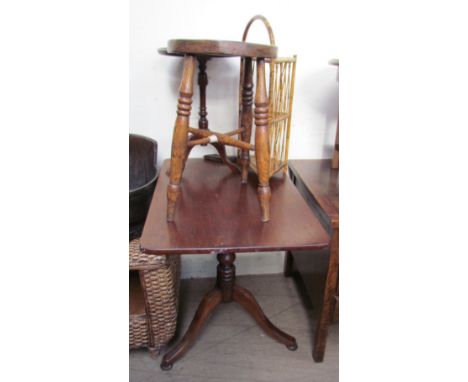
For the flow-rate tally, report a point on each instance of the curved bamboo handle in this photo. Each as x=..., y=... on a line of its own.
x=267, y=26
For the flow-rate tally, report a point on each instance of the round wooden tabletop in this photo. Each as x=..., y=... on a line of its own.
x=219, y=48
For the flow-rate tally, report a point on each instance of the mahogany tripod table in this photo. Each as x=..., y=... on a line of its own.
x=218, y=215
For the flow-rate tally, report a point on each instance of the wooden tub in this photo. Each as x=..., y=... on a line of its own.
x=143, y=152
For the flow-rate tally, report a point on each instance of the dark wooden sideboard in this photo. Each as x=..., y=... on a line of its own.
x=317, y=181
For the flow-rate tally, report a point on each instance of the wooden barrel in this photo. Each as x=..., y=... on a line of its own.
x=143, y=152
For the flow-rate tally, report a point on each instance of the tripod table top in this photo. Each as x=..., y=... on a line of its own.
x=217, y=214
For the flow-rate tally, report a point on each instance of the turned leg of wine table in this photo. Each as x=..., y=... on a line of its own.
x=203, y=121
x=202, y=82
x=246, y=115
x=226, y=291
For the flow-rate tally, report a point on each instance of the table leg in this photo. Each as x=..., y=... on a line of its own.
x=324, y=319
x=179, y=137
x=225, y=291
x=202, y=82
x=246, y=115
x=211, y=300
x=262, y=142
x=248, y=302
x=336, y=153
x=203, y=121
x=224, y=158
x=288, y=264
x=334, y=314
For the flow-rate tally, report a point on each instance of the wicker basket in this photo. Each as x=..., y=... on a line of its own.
x=280, y=95
x=154, y=297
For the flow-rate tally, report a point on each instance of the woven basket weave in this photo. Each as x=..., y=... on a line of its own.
x=280, y=95
x=159, y=279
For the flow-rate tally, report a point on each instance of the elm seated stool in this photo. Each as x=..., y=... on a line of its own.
x=182, y=143
x=222, y=226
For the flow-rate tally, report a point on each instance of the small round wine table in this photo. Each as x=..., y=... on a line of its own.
x=184, y=137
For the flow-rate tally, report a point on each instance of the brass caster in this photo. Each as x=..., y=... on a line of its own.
x=166, y=366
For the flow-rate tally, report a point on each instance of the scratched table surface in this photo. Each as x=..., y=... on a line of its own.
x=216, y=213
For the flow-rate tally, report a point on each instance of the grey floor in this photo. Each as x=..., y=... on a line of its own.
x=233, y=348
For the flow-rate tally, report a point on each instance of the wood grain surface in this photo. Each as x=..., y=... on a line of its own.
x=219, y=48
x=321, y=182
x=216, y=213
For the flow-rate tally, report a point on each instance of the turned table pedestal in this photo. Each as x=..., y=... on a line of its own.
x=223, y=226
